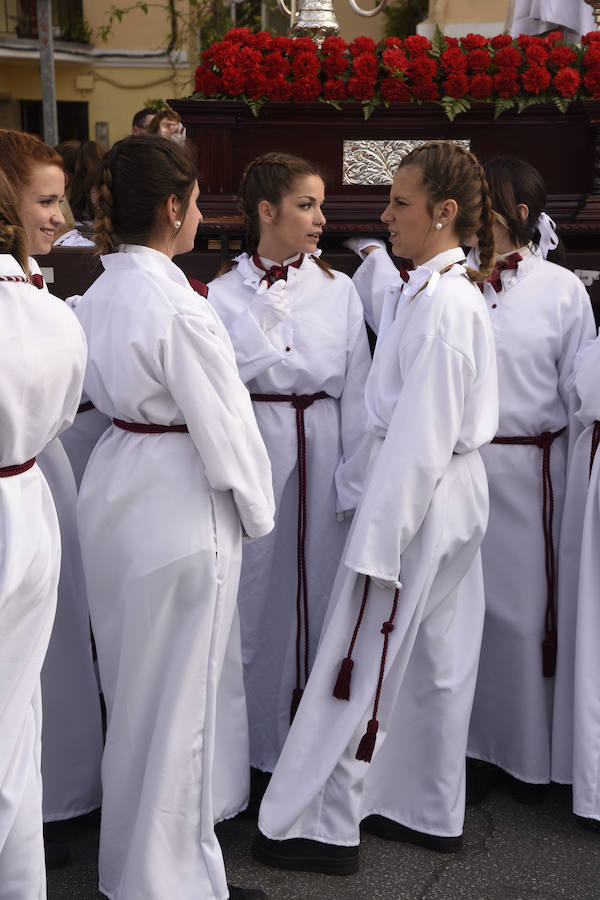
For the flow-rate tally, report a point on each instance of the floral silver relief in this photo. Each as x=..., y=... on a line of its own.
x=376, y=162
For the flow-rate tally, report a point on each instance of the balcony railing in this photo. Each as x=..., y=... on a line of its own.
x=18, y=18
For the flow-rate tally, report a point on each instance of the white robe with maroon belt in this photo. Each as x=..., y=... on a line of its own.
x=72, y=740
x=537, y=16
x=432, y=403
x=42, y=359
x=321, y=346
x=160, y=531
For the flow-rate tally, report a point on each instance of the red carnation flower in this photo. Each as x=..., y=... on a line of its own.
x=552, y=37
x=456, y=84
x=226, y=54
x=478, y=60
x=450, y=42
x=508, y=58
x=454, y=60
x=239, y=35
x=561, y=56
x=365, y=64
x=306, y=89
x=536, y=54
x=305, y=65
x=592, y=56
x=233, y=81
x=591, y=80
x=362, y=45
x=334, y=45
x=506, y=82
x=207, y=82
x=278, y=89
x=473, y=41
x=394, y=58
x=393, y=42
x=262, y=40
x=422, y=67
x=248, y=58
x=282, y=43
x=535, y=79
x=335, y=64
x=394, y=89
x=276, y=64
x=302, y=45
x=416, y=44
x=256, y=84
x=525, y=40
x=335, y=89
x=361, y=87
x=426, y=89
x=500, y=41
x=567, y=81
x=591, y=37
x=481, y=86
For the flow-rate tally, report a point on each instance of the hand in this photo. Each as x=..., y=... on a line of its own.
x=270, y=305
x=363, y=245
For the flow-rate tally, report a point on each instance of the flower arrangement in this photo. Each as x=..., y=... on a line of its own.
x=259, y=67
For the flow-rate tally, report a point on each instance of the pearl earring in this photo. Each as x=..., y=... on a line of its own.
x=438, y=226
x=177, y=223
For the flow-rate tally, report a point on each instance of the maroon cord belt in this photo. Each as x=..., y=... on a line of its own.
x=544, y=442
x=8, y=471
x=85, y=407
x=149, y=428
x=300, y=402
x=595, y=442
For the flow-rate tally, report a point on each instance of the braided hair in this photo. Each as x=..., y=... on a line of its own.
x=13, y=238
x=449, y=171
x=136, y=176
x=511, y=182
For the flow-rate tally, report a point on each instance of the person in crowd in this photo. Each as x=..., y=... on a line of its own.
x=298, y=332
x=381, y=731
x=142, y=119
x=42, y=360
x=170, y=489
x=167, y=123
x=573, y=17
x=541, y=315
x=72, y=735
x=80, y=194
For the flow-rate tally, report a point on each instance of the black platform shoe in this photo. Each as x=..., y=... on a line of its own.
x=393, y=831
x=482, y=778
x=238, y=893
x=303, y=855
x=524, y=792
x=57, y=854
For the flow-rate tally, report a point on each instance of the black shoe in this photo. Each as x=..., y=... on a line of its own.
x=57, y=855
x=482, y=778
x=524, y=792
x=589, y=824
x=303, y=855
x=259, y=782
x=393, y=831
x=238, y=893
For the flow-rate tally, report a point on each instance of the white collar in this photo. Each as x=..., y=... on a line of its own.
x=137, y=256
x=428, y=273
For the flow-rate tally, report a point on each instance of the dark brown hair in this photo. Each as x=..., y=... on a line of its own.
x=449, y=171
x=20, y=151
x=513, y=181
x=137, y=175
x=13, y=238
x=270, y=177
x=84, y=176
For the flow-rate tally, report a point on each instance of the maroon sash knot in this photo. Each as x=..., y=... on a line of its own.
x=276, y=273
x=37, y=280
x=502, y=265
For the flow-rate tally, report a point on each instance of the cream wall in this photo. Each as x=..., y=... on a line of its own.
x=459, y=17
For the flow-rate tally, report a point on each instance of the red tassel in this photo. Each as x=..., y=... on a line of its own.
x=549, y=655
x=296, y=698
x=341, y=690
x=367, y=742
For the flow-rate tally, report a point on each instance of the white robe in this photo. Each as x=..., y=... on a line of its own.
x=432, y=402
x=42, y=359
x=160, y=532
x=321, y=346
x=537, y=16
x=72, y=741
x=586, y=694
x=540, y=319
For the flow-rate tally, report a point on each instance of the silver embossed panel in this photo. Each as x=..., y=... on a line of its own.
x=375, y=162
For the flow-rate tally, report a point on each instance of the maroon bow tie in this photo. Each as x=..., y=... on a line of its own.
x=502, y=265
x=404, y=270
x=276, y=273
x=37, y=279
x=198, y=286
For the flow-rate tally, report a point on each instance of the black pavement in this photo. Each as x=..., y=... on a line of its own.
x=511, y=852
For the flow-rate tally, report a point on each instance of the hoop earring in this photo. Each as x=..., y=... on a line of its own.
x=438, y=226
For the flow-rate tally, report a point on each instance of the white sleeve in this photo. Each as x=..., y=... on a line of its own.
x=201, y=375
x=580, y=332
x=371, y=280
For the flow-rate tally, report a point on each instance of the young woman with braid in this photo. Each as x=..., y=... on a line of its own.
x=381, y=734
x=301, y=346
x=167, y=494
x=42, y=360
x=540, y=315
x=72, y=738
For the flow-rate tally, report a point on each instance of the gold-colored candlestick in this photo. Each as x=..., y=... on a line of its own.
x=595, y=4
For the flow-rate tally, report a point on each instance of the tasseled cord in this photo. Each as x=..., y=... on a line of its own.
x=341, y=690
x=367, y=742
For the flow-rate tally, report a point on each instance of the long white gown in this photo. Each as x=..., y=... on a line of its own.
x=321, y=346
x=540, y=318
x=432, y=403
x=72, y=739
x=42, y=360
x=161, y=538
x=536, y=16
